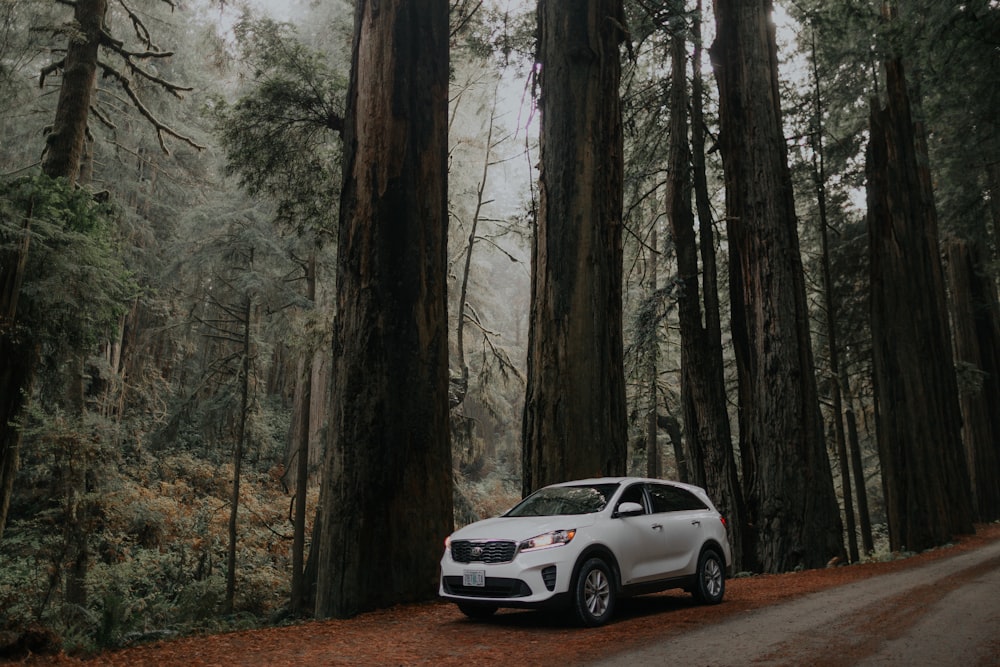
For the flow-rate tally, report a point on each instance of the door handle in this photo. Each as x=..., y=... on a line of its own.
x=696, y=523
x=657, y=526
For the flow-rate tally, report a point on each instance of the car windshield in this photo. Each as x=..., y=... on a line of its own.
x=562, y=500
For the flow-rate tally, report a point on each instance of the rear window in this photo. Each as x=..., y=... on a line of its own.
x=667, y=498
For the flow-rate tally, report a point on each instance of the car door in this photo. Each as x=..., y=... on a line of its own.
x=679, y=518
x=637, y=545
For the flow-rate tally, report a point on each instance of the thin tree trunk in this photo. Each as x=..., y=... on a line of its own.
x=857, y=466
x=238, y=459
x=302, y=459
x=789, y=485
x=575, y=419
x=735, y=504
x=829, y=300
x=386, y=495
x=459, y=395
x=653, y=467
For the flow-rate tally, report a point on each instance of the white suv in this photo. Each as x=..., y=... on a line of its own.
x=583, y=544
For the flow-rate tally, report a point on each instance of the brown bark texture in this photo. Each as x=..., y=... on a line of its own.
x=703, y=389
x=787, y=479
x=976, y=319
x=386, y=496
x=924, y=474
x=575, y=420
x=65, y=143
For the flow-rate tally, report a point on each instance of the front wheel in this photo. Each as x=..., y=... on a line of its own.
x=594, y=593
x=710, y=584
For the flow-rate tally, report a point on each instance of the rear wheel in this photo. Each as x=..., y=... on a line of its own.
x=594, y=593
x=477, y=611
x=710, y=584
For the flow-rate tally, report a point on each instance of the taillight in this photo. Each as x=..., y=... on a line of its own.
x=723, y=520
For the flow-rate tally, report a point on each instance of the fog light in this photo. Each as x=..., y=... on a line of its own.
x=549, y=577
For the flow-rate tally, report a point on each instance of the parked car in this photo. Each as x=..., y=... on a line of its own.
x=581, y=545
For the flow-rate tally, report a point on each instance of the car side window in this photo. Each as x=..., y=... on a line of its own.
x=667, y=498
x=632, y=494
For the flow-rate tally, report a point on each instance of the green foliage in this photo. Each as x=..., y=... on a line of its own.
x=156, y=545
x=281, y=136
x=76, y=286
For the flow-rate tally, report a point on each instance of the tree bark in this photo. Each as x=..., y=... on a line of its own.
x=65, y=143
x=299, y=593
x=653, y=464
x=703, y=390
x=924, y=474
x=64, y=150
x=575, y=421
x=976, y=319
x=238, y=450
x=386, y=495
x=830, y=303
x=786, y=472
x=857, y=466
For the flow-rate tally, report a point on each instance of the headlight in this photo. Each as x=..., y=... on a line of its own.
x=556, y=538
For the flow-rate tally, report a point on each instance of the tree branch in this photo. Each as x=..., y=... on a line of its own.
x=161, y=128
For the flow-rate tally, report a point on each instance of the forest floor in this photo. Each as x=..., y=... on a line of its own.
x=437, y=633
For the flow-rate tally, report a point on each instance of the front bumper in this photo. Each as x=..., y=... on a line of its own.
x=534, y=578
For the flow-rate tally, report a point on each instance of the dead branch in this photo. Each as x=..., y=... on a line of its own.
x=161, y=128
x=49, y=69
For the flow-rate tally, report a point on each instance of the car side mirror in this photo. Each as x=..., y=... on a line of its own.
x=630, y=509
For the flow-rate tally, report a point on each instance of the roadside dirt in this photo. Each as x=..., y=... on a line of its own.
x=438, y=634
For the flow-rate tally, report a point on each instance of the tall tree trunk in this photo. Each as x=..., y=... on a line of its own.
x=238, y=450
x=789, y=485
x=299, y=593
x=924, y=474
x=575, y=421
x=463, y=388
x=64, y=150
x=386, y=496
x=976, y=319
x=993, y=183
x=830, y=302
x=653, y=465
x=857, y=466
x=703, y=391
x=66, y=142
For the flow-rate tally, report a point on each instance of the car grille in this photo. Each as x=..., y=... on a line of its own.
x=495, y=551
x=496, y=587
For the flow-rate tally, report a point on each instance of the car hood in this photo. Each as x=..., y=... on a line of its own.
x=519, y=528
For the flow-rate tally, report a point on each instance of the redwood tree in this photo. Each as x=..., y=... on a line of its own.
x=574, y=416
x=786, y=472
x=976, y=317
x=386, y=497
x=924, y=474
x=703, y=386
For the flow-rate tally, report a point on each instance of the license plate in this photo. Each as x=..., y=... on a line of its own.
x=474, y=578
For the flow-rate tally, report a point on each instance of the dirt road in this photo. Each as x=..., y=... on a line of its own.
x=941, y=607
x=945, y=612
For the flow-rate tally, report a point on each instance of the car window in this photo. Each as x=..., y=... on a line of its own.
x=633, y=494
x=667, y=498
x=562, y=500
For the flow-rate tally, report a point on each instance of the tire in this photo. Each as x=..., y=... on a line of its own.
x=594, y=593
x=710, y=578
x=477, y=611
